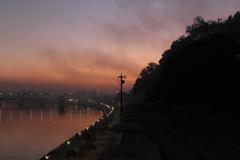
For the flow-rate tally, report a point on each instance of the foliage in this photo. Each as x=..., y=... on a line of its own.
x=200, y=67
x=145, y=81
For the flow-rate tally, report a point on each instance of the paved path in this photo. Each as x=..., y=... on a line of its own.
x=159, y=135
x=177, y=142
x=134, y=144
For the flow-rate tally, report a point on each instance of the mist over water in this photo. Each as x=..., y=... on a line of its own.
x=27, y=134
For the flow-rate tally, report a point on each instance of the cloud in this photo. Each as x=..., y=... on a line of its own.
x=145, y=24
x=152, y=25
x=150, y=21
x=76, y=60
x=87, y=68
x=107, y=38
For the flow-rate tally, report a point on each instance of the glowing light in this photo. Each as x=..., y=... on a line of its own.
x=47, y=157
x=71, y=100
x=79, y=133
x=87, y=128
x=68, y=142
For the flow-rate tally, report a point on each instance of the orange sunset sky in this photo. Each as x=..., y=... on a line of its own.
x=85, y=44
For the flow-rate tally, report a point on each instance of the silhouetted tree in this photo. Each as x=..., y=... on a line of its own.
x=200, y=67
x=144, y=83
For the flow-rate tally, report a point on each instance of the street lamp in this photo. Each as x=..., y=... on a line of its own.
x=47, y=157
x=68, y=142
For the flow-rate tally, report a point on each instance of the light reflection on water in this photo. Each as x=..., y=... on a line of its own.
x=27, y=134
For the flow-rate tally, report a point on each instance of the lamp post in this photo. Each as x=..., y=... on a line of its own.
x=121, y=82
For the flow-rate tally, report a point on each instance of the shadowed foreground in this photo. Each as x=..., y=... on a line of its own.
x=158, y=132
x=192, y=134
x=152, y=133
x=134, y=143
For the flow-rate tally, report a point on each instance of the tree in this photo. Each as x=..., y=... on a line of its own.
x=199, y=67
x=144, y=83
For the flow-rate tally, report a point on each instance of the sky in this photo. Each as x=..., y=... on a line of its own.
x=86, y=44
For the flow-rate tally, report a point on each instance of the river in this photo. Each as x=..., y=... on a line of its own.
x=27, y=134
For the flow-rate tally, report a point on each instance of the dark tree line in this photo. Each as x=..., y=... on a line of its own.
x=200, y=67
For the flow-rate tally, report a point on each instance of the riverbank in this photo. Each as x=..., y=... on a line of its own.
x=87, y=144
x=134, y=143
x=155, y=132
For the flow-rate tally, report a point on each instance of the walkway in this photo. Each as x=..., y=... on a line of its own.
x=134, y=144
x=160, y=135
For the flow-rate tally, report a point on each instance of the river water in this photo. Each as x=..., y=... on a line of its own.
x=27, y=134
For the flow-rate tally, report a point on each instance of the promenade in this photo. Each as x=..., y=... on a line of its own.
x=173, y=136
x=133, y=143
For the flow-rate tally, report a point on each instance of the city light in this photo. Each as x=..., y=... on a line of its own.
x=71, y=100
x=68, y=142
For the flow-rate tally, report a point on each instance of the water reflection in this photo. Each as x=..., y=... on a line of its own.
x=29, y=133
x=61, y=101
x=21, y=115
x=8, y=115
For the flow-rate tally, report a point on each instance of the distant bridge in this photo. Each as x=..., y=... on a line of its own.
x=38, y=99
